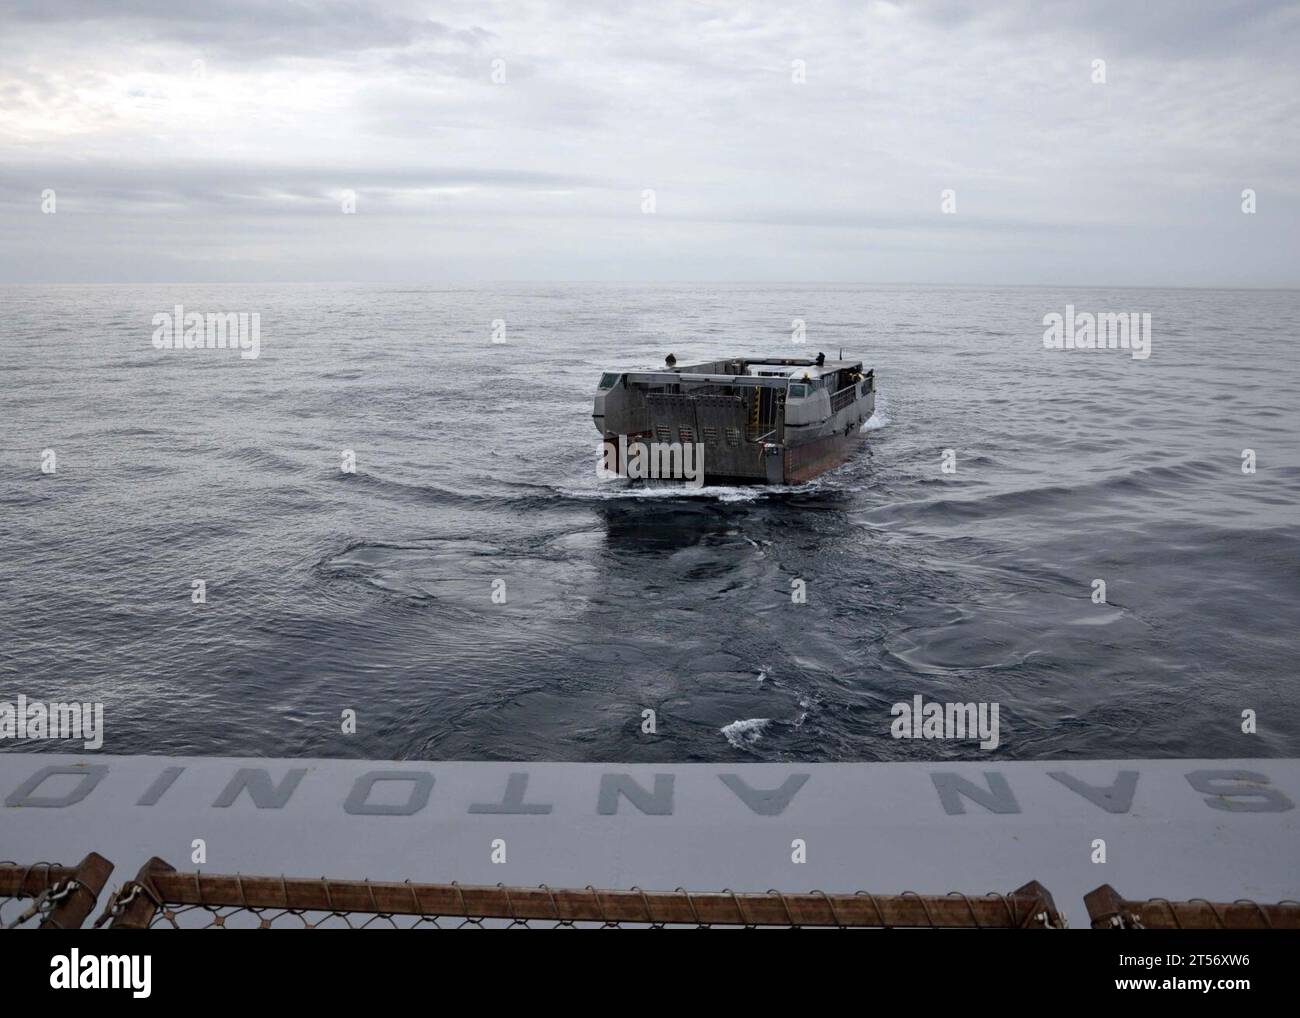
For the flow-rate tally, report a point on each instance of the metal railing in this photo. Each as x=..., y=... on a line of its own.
x=844, y=397
x=51, y=896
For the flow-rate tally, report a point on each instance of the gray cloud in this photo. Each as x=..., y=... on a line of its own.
x=1176, y=30
x=123, y=187
x=216, y=138
x=247, y=28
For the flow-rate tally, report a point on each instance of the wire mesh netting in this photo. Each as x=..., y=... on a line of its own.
x=209, y=917
x=1109, y=910
x=29, y=892
x=53, y=896
x=162, y=898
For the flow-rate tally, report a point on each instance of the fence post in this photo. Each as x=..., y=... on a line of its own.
x=1106, y=908
x=140, y=896
x=87, y=881
x=1043, y=906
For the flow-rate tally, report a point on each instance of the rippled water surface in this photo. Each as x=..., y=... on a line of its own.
x=476, y=463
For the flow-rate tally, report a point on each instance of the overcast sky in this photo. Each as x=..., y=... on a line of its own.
x=214, y=141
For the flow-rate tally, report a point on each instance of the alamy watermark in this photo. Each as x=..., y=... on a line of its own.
x=75, y=971
x=37, y=720
x=179, y=329
x=1104, y=331
x=679, y=461
x=934, y=720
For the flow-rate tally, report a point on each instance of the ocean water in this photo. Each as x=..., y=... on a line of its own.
x=372, y=591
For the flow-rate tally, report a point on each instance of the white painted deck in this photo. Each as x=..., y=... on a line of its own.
x=1217, y=829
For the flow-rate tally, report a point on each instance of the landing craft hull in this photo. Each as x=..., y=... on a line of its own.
x=739, y=428
x=798, y=462
x=779, y=465
x=804, y=462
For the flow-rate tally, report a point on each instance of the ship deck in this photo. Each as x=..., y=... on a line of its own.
x=1179, y=829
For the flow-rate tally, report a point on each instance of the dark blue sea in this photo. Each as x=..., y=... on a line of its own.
x=476, y=462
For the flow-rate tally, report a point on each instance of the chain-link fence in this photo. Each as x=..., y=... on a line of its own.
x=1109, y=910
x=48, y=895
x=161, y=897
x=51, y=896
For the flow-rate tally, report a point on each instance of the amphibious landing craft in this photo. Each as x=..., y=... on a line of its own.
x=757, y=420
